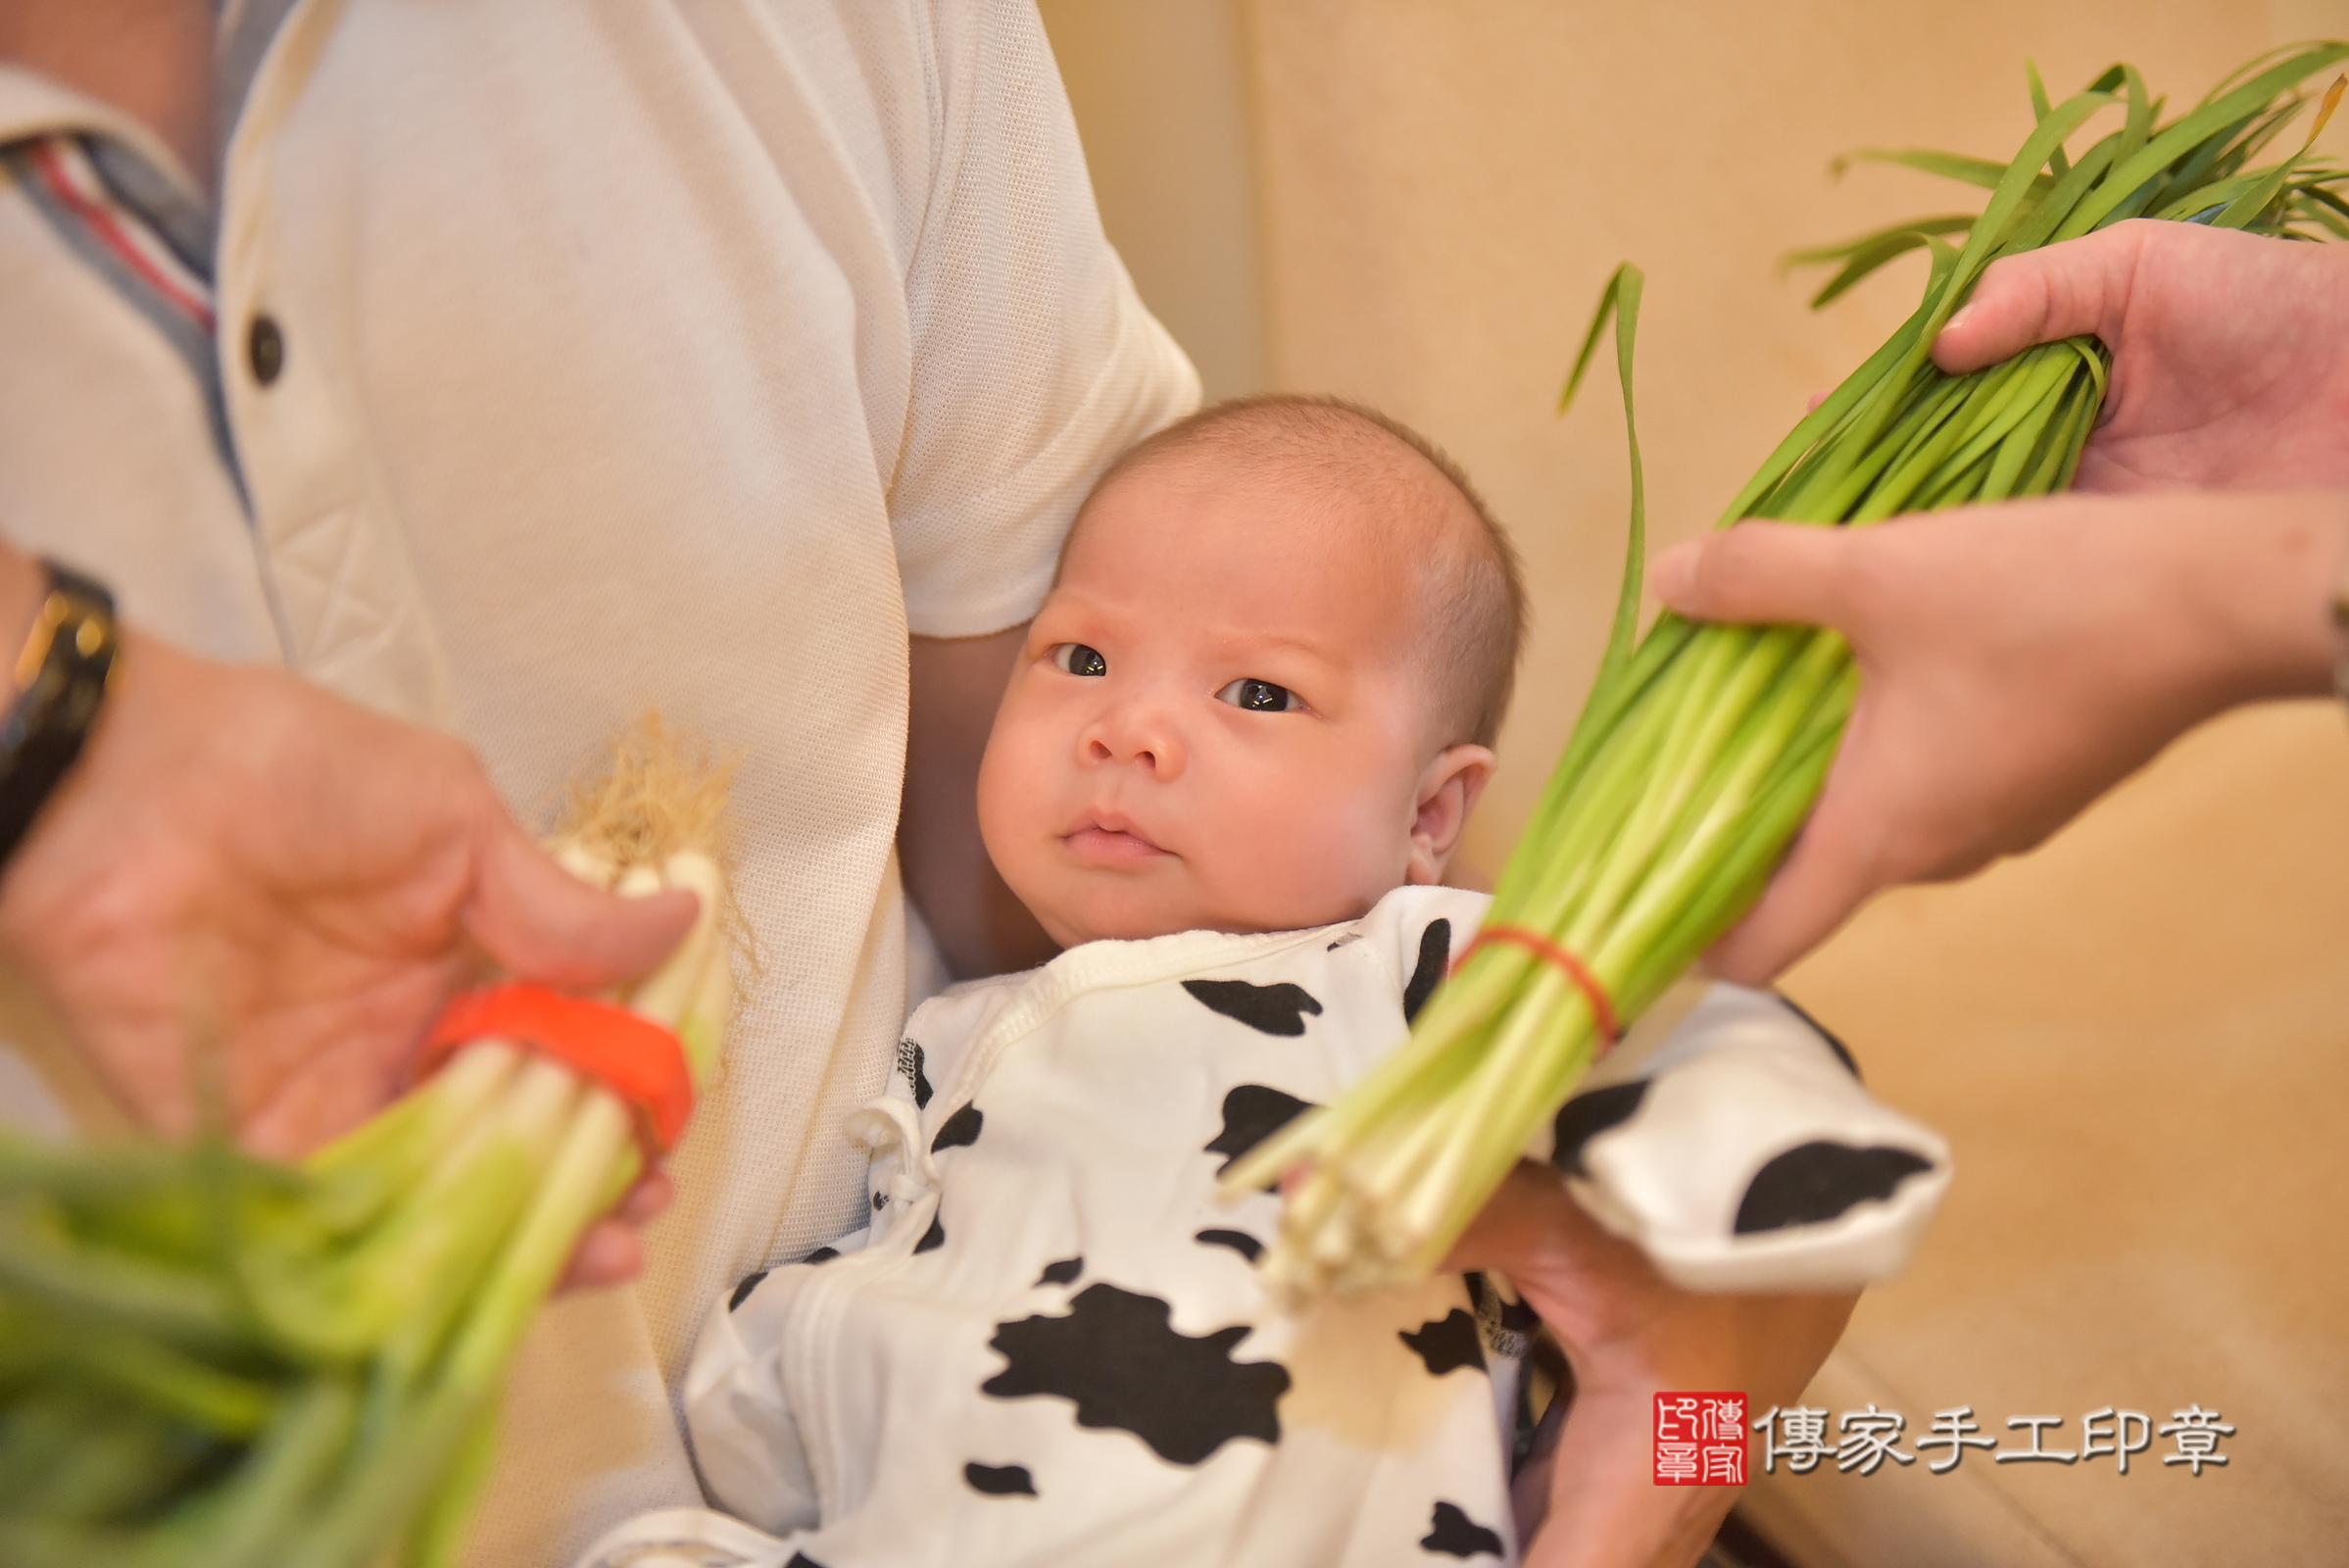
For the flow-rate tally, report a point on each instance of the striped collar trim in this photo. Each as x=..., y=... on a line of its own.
x=66, y=183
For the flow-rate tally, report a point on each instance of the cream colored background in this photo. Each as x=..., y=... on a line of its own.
x=2135, y=1038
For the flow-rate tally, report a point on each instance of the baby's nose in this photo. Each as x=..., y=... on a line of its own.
x=1139, y=735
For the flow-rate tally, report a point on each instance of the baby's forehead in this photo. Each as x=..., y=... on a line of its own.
x=1284, y=442
x=1359, y=488
x=1331, y=546
x=1354, y=507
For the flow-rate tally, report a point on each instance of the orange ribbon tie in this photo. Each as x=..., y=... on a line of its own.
x=627, y=1052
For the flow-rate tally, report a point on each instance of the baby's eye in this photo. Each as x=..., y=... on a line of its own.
x=1258, y=696
x=1079, y=659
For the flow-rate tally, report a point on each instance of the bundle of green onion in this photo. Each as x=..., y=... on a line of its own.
x=206, y=1361
x=1700, y=749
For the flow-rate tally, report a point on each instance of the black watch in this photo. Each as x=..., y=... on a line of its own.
x=2340, y=626
x=60, y=681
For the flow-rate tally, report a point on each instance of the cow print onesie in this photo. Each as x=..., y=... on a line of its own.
x=1050, y=1346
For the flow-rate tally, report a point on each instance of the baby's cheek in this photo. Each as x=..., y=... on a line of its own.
x=1313, y=855
x=1014, y=792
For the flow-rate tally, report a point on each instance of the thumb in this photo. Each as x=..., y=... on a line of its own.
x=1817, y=888
x=542, y=923
x=1756, y=574
x=1838, y=862
x=2043, y=296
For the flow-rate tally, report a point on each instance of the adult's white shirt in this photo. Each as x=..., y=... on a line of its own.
x=677, y=351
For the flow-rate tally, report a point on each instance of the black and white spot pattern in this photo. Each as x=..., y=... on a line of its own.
x=1116, y=1360
x=958, y=1131
x=1435, y=957
x=1743, y=1154
x=1000, y=1480
x=1447, y=1345
x=1251, y=1113
x=1452, y=1533
x=1089, y=1348
x=1274, y=1009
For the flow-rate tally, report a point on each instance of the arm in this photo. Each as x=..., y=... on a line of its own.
x=239, y=858
x=1034, y=364
x=2015, y=664
x=1629, y=1335
x=747, y=1445
x=980, y=927
x=252, y=897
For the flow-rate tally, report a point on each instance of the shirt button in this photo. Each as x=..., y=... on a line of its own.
x=264, y=349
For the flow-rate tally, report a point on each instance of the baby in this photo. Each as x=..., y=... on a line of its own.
x=1228, y=774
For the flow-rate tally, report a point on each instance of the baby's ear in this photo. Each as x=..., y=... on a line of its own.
x=1447, y=793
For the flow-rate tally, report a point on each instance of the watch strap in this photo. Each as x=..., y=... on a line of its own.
x=2340, y=626
x=60, y=677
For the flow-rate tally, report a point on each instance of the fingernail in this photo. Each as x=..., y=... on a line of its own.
x=1959, y=319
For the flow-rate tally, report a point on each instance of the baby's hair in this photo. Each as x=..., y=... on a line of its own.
x=1474, y=607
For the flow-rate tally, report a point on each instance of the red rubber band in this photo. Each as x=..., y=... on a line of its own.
x=629, y=1054
x=1602, y=1006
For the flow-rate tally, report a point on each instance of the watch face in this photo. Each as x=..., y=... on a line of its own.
x=75, y=622
x=72, y=631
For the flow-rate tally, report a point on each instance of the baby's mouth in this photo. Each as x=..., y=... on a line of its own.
x=1110, y=842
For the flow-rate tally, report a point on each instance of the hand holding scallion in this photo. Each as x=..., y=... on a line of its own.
x=245, y=862
x=206, y=1359
x=2229, y=352
x=1702, y=748
x=2015, y=664
x=1629, y=1333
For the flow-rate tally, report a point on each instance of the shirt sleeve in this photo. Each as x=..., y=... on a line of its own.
x=1741, y=1153
x=746, y=1439
x=1034, y=362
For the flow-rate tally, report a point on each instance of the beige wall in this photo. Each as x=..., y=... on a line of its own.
x=1446, y=187
x=2138, y=1039
x=1162, y=93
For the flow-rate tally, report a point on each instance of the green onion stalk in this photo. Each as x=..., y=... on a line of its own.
x=1700, y=749
x=212, y=1361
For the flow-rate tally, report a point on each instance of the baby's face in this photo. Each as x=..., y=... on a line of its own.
x=1217, y=721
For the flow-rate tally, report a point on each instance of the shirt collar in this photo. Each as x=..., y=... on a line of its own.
x=247, y=29
x=141, y=172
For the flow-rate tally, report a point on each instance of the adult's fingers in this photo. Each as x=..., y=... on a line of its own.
x=1782, y=573
x=2043, y=296
x=1605, y=1510
x=1757, y=573
x=612, y=1252
x=1529, y=1215
x=609, y=1253
x=1845, y=853
x=1822, y=883
x=542, y=923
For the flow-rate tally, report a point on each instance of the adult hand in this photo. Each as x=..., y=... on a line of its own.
x=2230, y=351
x=2015, y=662
x=1629, y=1334
x=251, y=898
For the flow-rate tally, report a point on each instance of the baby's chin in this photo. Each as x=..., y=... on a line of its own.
x=1073, y=927
x=1132, y=914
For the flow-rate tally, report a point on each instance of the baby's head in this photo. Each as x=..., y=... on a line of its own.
x=1263, y=690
